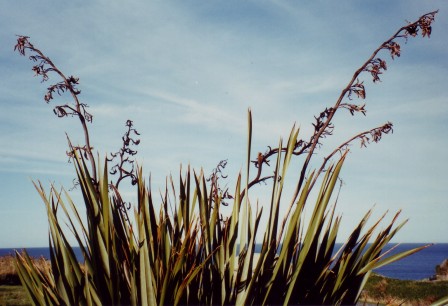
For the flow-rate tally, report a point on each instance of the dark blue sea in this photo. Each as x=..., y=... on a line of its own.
x=418, y=266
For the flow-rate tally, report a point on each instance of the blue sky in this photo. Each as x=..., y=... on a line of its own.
x=187, y=71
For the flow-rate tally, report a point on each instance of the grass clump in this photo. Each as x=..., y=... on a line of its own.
x=8, y=274
x=387, y=291
x=378, y=290
x=13, y=295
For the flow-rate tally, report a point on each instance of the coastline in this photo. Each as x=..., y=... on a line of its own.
x=419, y=266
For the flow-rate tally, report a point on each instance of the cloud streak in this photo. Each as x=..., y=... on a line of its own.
x=186, y=75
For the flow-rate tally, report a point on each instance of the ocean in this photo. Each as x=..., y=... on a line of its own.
x=418, y=266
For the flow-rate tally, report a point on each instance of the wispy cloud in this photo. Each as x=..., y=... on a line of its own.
x=186, y=74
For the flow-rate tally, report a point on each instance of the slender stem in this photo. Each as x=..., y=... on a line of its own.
x=78, y=108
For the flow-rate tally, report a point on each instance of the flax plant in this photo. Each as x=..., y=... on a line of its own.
x=182, y=249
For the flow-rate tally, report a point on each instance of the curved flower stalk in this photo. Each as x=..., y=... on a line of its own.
x=44, y=66
x=323, y=126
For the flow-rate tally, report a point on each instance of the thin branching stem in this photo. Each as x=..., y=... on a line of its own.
x=44, y=66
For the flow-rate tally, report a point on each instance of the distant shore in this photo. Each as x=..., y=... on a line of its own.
x=419, y=266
